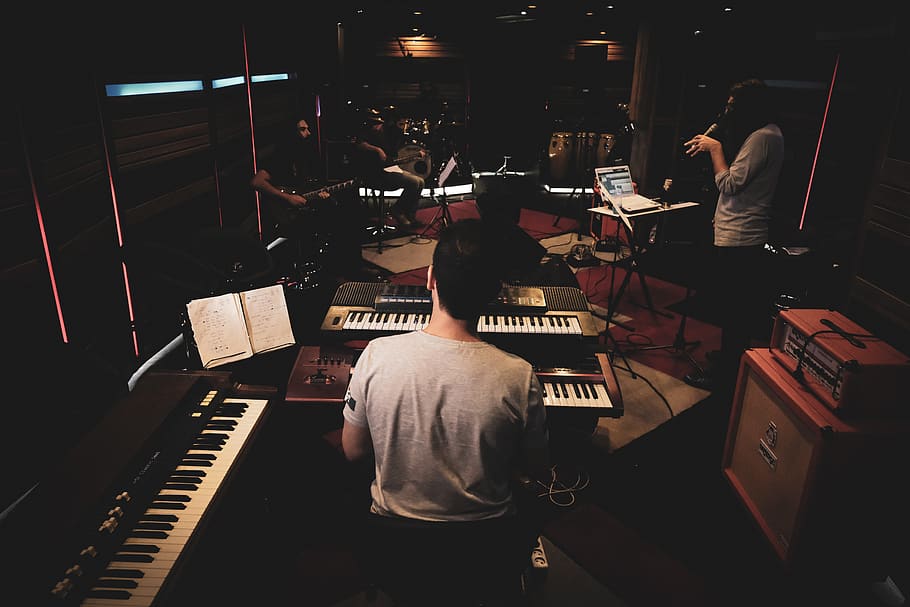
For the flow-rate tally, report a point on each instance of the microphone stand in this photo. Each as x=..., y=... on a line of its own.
x=680, y=345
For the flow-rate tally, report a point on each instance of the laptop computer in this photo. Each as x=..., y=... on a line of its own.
x=616, y=189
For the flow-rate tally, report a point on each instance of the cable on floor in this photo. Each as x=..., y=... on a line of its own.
x=651, y=385
x=559, y=493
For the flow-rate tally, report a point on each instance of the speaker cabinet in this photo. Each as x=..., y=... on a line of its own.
x=822, y=490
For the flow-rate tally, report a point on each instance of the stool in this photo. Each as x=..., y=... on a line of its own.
x=444, y=563
x=381, y=228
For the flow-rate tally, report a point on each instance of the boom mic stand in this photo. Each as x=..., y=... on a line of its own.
x=679, y=345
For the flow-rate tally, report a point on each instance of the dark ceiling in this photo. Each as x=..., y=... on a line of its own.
x=576, y=19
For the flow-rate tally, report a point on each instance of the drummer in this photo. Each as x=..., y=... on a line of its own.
x=428, y=105
x=375, y=148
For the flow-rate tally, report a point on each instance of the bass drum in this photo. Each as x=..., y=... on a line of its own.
x=422, y=167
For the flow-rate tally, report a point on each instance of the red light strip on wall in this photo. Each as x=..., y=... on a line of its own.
x=116, y=208
x=41, y=229
x=249, y=103
x=802, y=219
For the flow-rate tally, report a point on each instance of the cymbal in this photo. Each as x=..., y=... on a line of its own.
x=451, y=125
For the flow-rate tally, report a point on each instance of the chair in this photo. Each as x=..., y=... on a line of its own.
x=380, y=228
x=467, y=563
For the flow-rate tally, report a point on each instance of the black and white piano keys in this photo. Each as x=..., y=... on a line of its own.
x=531, y=324
x=146, y=559
x=589, y=384
x=576, y=393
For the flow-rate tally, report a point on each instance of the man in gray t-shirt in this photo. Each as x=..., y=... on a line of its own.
x=448, y=418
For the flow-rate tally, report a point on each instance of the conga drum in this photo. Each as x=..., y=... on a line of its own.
x=584, y=154
x=560, y=155
x=605, y=142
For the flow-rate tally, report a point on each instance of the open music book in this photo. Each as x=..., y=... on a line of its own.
x=235, y=326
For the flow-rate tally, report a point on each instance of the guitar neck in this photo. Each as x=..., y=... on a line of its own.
x=329, y=188
x=342, y=185
x=402, y=159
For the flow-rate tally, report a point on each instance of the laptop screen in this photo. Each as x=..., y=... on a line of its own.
x=616, y=180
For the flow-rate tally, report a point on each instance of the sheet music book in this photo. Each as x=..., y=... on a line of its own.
x=235, y=326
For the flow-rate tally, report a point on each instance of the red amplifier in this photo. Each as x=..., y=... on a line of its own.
x=849, y=370
x=825, y=491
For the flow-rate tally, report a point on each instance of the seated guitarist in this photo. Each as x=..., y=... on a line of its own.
x=326, y=220
x=376, y=147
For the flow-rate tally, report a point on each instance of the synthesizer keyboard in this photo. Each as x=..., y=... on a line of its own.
x=586, y=384
x=361, y=311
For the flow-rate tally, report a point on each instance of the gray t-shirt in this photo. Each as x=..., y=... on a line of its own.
x=448, y=419
x=746, y=190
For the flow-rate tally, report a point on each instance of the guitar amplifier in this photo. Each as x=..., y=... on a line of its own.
x=824, y=491
x=849, y=370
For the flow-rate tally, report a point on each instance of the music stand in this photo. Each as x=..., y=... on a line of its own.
x=443, y=215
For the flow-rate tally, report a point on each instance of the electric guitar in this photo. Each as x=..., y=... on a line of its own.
x=286, y=213
x=335, y=187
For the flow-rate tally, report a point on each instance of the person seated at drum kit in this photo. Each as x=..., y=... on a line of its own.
x=376, y=148
x=429, y=105
x=327, y=226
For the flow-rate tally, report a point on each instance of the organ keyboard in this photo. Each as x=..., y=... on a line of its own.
x=113, y=525
x=589, y=384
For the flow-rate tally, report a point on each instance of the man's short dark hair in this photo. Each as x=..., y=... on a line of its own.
x=752, y=104
x=468, y=272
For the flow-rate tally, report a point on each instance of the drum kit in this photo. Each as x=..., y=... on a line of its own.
x=440, y=141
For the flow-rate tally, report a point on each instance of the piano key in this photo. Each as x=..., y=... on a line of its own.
x=116, y=583
x=122, y=573
x=155, y=559
x=575, y=394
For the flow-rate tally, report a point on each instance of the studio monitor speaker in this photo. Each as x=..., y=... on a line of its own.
x=823, y=491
